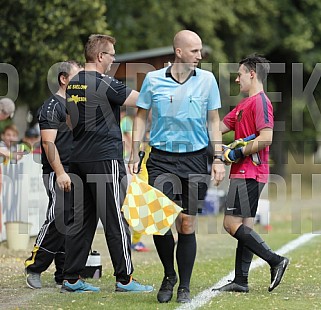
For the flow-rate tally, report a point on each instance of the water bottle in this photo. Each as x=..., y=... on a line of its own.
x=93, y=267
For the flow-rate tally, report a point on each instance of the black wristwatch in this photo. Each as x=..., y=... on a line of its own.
x=218, y=157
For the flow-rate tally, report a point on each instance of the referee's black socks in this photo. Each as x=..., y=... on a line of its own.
x=185, y=256
x=165, y=248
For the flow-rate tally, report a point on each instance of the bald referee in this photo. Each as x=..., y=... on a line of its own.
x=184, y=101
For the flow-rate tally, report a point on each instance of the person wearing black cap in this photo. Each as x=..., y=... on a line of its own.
x=31, y=140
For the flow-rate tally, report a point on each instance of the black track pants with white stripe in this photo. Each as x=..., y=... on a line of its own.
x=50, y=242
x=99, y=192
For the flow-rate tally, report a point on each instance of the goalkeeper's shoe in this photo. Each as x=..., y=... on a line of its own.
x=277, y=273
x=233, y=287
x=133, y=287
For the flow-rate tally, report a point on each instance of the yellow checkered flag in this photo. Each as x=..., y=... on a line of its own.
x=147, y=210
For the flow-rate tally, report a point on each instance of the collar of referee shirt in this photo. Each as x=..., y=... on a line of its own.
x=169, y=74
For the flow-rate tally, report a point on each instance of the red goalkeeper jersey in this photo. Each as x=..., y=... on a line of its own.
x=251, y=115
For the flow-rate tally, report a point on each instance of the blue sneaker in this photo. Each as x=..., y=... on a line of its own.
x=79, y=287
x=133, y=287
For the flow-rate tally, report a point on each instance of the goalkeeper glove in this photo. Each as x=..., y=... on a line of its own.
x=231, y=156
x=237, y=143
x=241, y=142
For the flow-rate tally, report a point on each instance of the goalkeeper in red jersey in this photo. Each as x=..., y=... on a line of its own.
x=249, y=173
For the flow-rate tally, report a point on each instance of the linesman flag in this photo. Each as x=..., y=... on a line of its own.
x=147, y=210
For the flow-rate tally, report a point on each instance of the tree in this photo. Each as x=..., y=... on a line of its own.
x=37, y=34
x=142, y=24
x=296, y=41
x=286, y=32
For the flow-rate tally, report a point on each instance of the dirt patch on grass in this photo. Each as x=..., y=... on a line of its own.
x=14, y=292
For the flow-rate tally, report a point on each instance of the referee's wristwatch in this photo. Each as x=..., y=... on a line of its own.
x=218, y=157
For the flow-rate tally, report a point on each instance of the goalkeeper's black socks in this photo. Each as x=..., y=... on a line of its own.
x=256, y=244
x=185, y=256
x=243, y=259
x=165, y=249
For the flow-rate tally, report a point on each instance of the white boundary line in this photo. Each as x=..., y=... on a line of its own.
x=205, y=296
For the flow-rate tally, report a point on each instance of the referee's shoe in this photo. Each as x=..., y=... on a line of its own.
x=165, y=292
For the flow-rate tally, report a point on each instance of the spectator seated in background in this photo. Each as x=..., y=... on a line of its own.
x=8, y=143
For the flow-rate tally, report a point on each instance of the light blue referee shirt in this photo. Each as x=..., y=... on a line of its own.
x=179, y=111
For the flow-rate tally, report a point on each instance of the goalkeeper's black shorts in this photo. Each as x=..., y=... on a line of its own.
x=243, y=197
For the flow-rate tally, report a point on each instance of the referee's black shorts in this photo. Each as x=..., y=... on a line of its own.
x=182, y=177
x=243, y=197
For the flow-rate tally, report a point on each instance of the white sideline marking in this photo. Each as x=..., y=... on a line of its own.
x=205, y=296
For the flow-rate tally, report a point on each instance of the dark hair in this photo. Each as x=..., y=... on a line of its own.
x=65, y=68
x=258, y=64
x=32, y=133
